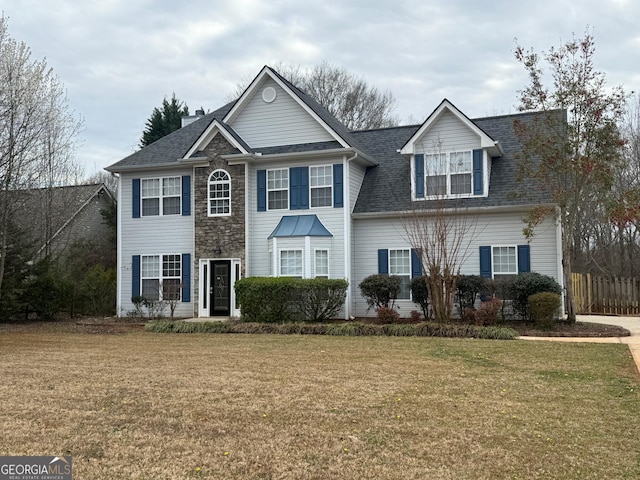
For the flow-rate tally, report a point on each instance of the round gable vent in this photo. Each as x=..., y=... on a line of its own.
x=269, y=94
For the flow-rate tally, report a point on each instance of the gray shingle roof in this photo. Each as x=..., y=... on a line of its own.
x=387, y=186
x=174, y=146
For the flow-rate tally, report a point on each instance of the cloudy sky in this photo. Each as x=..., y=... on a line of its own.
x=119, y=58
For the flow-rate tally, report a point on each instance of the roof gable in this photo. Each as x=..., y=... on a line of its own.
x=216, y=127
x=446, y=110
x=269, y=96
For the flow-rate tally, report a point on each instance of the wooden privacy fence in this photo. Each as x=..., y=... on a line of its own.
x=608, y=295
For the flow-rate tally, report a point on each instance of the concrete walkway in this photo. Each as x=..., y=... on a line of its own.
x=630, y=323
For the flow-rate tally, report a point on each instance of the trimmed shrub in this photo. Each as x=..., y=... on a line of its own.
x=265, y=299
x=420, y=293
x=388, y=315
x=380, y=290
x=468, y=288
x=527, y=284
x=286, y=299
x=318, y=299
x=543, y=308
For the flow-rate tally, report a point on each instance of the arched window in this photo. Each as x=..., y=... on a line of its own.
x=219, y=193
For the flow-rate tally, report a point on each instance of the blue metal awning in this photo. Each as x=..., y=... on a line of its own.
x=300, y=226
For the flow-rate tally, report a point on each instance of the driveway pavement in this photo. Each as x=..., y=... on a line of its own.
x=630, y=323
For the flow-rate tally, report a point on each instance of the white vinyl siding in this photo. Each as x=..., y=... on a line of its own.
x=369, y=235
x=448, y=133
x=148, y=236
x=281, y=122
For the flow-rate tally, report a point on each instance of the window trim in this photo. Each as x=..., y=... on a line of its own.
x=296, y=250
x=161, y=278
x=330, y=186
x=288, y=189
x=160, y=196
x=315, y=263
x=408, y=275
x=211, y=182
x=447, y=175
x=493, y=260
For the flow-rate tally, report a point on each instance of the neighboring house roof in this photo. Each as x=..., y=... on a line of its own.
x=300, y=226
x=45, y=213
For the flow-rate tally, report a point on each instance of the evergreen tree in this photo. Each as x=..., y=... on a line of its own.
x=164, y=121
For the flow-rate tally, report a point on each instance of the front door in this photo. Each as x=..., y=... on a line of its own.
x=220, y=291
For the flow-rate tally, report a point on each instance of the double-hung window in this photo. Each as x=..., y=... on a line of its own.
x=161, y=276
x=448, y=174
x=291, y=263
x=400, y=265
x=219, y=193
x=504, y=260
x=321, y=263
x=161, y=196
x=321, y=185
x=278, y=189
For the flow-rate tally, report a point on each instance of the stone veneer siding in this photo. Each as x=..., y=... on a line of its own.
x=226, y=232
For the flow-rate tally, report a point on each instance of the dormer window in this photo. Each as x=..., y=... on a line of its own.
x=451, y=174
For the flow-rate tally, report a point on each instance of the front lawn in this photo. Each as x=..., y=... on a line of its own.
x=144, y=405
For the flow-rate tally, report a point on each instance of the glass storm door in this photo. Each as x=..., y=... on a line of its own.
x=220, y=292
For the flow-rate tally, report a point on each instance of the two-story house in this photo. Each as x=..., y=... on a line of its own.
x=272, y=185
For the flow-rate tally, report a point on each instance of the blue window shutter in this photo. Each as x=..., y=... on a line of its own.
x=303, y=187
x=186, y=195
x=136, y=198
x=186, y=277
x=419, y=168
x=383, y=261
x=262, y=190
x=338, y=187
x=524, y=259
x=478, y=175
x=135, y=276
x=298, y=188
x=294, y=183
x=485, y=262
x=416, y=264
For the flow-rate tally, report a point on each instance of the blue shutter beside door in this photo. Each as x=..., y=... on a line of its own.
x=186, y=277
x=186, y=195
x=135, y=276
x=419, y=178
x=485, y=262
x=136, y=198
x=383, y=261
x=524, y=259
x=338, y=187
x=262, y=190
x=478, y=172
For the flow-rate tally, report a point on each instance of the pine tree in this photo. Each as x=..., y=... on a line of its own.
x=164, y=121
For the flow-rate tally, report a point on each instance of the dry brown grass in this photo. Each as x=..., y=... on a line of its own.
x=153, y=406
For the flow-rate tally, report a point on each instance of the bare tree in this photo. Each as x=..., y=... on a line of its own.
x=37, y=132
x=345, y=95
x=574, y=161
x=441, y=232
